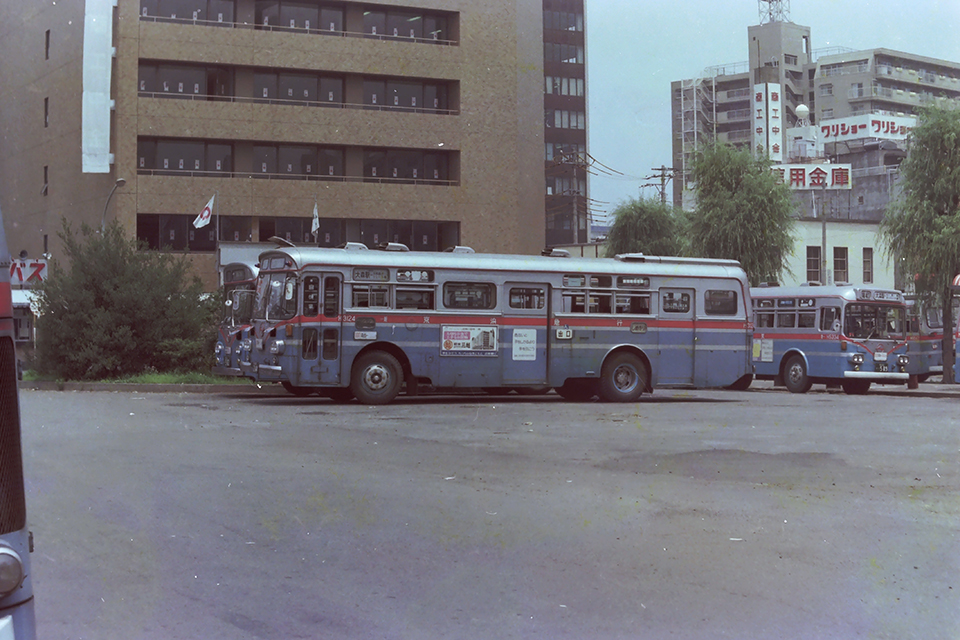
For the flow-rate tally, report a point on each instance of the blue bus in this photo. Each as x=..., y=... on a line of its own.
x=16, y=588
x=356, y=322
x=844, y=335
x=925, y=338
x=239, y=284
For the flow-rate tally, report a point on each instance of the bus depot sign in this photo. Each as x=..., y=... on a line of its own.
x=26, y=273
x=813, y=176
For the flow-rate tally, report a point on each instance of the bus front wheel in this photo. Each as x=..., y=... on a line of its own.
x=300, y=392
x=377, y=378
x=795, y=377
x=623, y=378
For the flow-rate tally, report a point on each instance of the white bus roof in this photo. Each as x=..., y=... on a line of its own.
x=490, y=262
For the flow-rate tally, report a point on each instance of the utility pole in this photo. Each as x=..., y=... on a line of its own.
x=664, y=173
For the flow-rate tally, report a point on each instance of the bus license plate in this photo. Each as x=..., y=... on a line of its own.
x=882, y=367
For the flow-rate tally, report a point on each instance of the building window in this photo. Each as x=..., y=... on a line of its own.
x=840, y=273
x=826, y=113
x=46, y=112
x=46, y=45
x=826, y=90
x=46, y=181
x=813, y=264
x=868, y=265
x=789, y=59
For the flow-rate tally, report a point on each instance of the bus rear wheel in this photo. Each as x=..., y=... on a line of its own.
x=623, y=378
x=377, y=378
x=855, y=387
x=795, y=377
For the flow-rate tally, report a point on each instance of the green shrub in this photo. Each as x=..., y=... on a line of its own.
x=113, y=310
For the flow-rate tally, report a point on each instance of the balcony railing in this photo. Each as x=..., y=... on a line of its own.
x=278, y=28
x=184, y=173
x=166, y=95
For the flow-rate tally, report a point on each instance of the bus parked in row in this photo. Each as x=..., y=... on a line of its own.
x=925, y=338
x=353, y=322
x=16, y=587
x=239, y=287
x=844, y=335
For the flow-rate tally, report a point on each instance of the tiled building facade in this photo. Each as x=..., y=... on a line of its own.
x=419, y=123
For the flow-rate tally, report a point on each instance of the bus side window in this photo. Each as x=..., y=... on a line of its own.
x=632, y=304
x=311, y=296
x=527, y=298
x=600, y=302
x=469, y=295
x=331, y=297
x=807, y=320
x=414, y=298
x=370, y=296
x=830, y=319
x=786, y=319
x=573, y=302
x=720, y=303
x=764, y=319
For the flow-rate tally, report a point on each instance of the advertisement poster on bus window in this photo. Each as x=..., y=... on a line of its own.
x=468, y=341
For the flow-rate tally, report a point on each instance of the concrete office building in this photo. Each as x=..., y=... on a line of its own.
x=419, y=122
x=861, y=107
x=565, y=122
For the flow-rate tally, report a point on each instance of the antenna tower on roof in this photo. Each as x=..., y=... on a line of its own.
x=774, y=11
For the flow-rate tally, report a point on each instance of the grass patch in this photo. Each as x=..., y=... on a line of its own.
x=188, y=377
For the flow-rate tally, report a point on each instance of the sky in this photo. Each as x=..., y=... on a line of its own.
x=636, y=48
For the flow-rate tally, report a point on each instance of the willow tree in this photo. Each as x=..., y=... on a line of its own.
x=921, y=229
x=744, y=212
x=645, y=226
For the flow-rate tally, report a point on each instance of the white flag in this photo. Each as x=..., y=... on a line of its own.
x=204, y=218
x=316, y=220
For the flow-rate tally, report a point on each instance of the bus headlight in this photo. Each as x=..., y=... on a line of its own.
x=247, y=344
x=218, y=349
x=903, y=360
x=11, y=571
x=276, y=347
x=856, y=358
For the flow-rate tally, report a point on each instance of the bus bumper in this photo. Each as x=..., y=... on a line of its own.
x=227, y=371
x=267, y=373
x=878, y=376
x=18, y=622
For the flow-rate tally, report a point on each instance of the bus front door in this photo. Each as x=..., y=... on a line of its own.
x=321, y=331
x=677, y=335
x=524, y=334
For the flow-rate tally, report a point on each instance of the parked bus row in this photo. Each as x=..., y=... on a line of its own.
x=369, y=324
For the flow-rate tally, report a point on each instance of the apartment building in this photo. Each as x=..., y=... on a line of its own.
x=419, y=123
x=861, y=106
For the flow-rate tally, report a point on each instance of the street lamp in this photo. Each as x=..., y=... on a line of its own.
x=119, y=183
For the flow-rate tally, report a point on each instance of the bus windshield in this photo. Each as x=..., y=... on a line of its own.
x=240, y=307
x=873, y=322
x=276, y=296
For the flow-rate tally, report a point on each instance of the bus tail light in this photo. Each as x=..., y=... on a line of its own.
x=11, y=571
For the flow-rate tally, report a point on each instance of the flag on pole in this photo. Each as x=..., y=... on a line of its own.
x=316, y=220
x=204, y=218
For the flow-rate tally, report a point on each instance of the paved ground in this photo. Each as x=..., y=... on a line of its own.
x=690, y=514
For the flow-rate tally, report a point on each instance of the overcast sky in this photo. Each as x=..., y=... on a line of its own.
x=636, y=48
